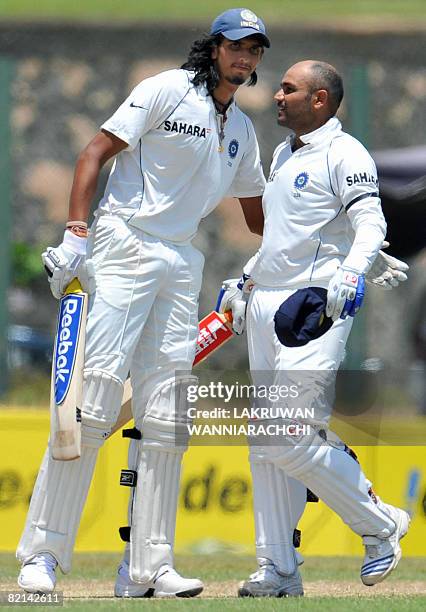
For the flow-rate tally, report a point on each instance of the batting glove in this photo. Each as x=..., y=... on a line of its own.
x=387, y=271
x=66, y=262
x=345, y=294
x=233, y=297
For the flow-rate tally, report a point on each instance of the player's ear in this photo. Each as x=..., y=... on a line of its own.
x=215, y=52
x=320, y=98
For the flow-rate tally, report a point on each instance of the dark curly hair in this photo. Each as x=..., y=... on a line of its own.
x=200, y=61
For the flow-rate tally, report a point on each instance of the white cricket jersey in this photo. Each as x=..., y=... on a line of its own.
x=173, y=174
x=313, y=201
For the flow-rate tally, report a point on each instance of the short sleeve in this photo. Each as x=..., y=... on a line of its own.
x=249, y=180
x=148, y=105
x=353, y=172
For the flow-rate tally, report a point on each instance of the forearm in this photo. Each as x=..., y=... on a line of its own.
x=370, y=230
x=102, y=148
x=84, y=186
x=367, y=243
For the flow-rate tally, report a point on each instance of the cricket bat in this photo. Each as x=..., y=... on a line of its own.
x=213, y=331
x=66, y=389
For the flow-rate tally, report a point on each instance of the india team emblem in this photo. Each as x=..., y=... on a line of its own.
x=233, y=148
x=248, y=16
x=301, y=180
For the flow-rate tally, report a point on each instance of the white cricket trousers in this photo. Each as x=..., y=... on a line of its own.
x=143, y=319
x=326, y=470
x=144, y=314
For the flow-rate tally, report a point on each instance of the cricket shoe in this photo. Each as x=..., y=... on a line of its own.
x=38, y=574
x=167, y=583
x=268, y=582
x=383, y=555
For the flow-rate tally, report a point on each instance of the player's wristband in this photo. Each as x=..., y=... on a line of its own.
x=79, y=228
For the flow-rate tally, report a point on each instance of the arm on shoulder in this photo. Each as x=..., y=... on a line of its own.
x=253, y=213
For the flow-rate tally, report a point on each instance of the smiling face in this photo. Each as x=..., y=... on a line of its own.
x=301, y=107
x=236, y=60
x=294, y=99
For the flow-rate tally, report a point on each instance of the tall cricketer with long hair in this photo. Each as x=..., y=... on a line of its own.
x=180, y=145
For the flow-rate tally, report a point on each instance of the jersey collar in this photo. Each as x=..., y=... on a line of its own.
x=231, y=107
x=325, y=133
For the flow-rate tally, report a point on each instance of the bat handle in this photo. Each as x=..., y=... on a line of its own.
x=228, y=316
x=74, y=287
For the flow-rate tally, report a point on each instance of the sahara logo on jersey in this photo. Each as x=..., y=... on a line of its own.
x=69, y=321
x=186, y=128
x=361, y=177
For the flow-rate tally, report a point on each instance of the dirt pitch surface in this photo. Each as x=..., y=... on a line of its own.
x=95, y=590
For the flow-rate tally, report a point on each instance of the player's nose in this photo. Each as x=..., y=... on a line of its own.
x=279, y=96
x=245, y=58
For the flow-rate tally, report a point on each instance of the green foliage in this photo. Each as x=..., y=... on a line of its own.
x=26, y=264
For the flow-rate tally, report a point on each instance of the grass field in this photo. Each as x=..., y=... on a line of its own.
x=330, y=584
x=182, y=10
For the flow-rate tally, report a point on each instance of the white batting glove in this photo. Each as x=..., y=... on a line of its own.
x=345, y=294
x=234, y=296
x=68, y=261
x=387, y=271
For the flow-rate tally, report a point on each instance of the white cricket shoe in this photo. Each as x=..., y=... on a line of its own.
x=167, y=583
x=383, y=555
x=38, y=574
x=125, y=587
x=267, y=582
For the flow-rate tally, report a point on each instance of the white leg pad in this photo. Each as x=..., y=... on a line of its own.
x=154, y=513
x=102, y=395
x=164, y=440
x=56, y=506
x=337, y=479
x=61, y=488
x=133, y=463
x=279, y=502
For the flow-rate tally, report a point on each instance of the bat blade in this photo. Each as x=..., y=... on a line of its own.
x=66, y=389
x=213, y=331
